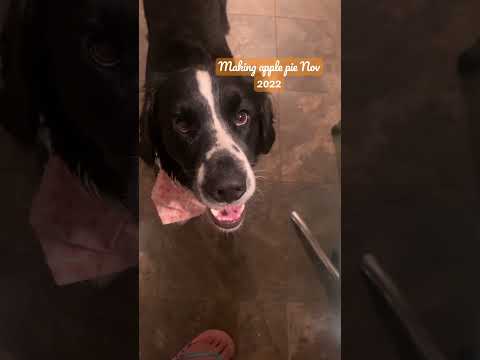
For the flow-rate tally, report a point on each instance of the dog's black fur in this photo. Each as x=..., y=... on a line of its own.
x=74, y=64
x=469, y=67
x=184, y=37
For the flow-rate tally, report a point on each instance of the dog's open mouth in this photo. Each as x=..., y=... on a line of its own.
x=229, y=217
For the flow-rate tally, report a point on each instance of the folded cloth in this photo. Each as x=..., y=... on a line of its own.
x=174, y=202
x=83, y=237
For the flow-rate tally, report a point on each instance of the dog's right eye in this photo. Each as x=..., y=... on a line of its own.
x=181, y=126
x=243, y=117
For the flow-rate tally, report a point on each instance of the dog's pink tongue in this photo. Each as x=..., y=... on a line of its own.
x=229, y=213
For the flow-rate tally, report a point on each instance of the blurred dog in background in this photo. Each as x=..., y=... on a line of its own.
x=70, y=73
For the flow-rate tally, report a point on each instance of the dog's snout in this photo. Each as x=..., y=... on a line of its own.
x=225, y=181
x=228, y=190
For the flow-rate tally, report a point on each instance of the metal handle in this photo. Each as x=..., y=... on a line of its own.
x=392, y=295
x=314, y=244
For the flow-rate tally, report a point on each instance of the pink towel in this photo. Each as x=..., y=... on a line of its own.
x=174, y=203
x=83, y=237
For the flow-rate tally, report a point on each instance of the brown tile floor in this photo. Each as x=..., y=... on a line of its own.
x=259, y=284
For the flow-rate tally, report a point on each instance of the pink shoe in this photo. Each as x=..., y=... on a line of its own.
x=209, y=345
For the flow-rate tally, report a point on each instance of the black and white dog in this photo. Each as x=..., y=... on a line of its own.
x=206, y=131
x=72, y=68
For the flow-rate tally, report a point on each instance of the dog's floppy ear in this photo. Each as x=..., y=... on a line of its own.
x=147, y=150
x=18, y=101
x=267, y=131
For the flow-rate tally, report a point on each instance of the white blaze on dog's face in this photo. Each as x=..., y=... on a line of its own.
x=225, y=179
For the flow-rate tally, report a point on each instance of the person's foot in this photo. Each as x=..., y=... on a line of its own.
x=209, y=345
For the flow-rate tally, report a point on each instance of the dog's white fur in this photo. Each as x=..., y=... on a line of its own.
x=223, y=142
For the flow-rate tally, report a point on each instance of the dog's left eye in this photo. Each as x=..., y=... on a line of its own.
x=243, y=117
x=102, y=52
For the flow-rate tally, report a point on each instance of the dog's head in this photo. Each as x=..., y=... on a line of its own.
x=75, y=64
x=208, y=132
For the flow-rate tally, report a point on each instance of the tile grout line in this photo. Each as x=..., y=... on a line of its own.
x=274, y=15
x=280, y=147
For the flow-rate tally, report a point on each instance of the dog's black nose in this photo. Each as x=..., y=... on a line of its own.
x=228, y=190
x=225, y=181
